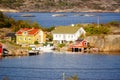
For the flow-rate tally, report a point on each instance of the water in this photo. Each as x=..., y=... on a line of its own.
x=51, y=66
x=47, y=20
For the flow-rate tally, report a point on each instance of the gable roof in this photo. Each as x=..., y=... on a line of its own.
x=30, y=31
x=66, y=30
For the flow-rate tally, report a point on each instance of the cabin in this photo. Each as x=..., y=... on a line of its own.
x=79, y=45
x=1, y=49
x=64, y=34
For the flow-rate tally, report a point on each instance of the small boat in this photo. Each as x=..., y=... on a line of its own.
x=88, y=15
x=47, y=48
x=58, y=15
x=27, y=15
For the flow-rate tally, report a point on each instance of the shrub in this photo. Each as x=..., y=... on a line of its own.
x=36, y=42
x=61, y=45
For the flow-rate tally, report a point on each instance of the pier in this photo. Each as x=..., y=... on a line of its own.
x=34, y=52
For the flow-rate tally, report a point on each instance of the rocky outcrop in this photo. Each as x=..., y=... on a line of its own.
x=105, y=43
x=8, y=10
x=62, y=5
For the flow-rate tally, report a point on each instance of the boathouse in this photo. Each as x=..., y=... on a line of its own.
x=1, y=49
x=79, y=45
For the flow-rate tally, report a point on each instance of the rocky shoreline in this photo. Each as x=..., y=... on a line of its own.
x=58, y=10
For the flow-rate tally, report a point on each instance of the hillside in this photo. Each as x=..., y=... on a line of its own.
x=61, y=5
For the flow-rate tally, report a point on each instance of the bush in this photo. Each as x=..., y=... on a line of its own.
x=61, y=45
x=94, y=30
x=114, y=23
x=36, y=42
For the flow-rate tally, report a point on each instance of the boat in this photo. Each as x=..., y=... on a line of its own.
x=88, y=15
x=47, y=48
x=27, y=15
x=58, y=15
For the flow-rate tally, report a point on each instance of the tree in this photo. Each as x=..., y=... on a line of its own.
x=35, y=25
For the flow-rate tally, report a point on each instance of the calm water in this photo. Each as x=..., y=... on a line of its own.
x=47, y=20
x=51, y=66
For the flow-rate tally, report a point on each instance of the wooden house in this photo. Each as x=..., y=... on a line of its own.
x=30, y=36
x=63, y=34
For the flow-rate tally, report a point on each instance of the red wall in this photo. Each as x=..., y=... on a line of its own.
x=0, y=49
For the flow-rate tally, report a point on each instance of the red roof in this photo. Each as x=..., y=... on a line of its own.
x=30, y=31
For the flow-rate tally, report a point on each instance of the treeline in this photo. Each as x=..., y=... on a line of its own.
x=6, y=22
x=106, y=28
x=11, y=3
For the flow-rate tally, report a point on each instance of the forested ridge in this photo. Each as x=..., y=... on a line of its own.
x=61, y=5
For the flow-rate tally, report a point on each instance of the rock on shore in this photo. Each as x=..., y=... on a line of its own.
x=105, y=43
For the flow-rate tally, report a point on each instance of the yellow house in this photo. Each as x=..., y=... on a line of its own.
x=30, y=35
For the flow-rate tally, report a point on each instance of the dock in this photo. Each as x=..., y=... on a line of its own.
x=34, y=52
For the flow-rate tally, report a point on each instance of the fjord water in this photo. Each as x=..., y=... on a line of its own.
x=47, y=20
x=50, y=66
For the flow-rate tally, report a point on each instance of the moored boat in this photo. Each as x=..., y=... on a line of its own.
x=27, y=15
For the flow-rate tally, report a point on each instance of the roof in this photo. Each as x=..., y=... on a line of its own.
x=30, y=31
x=66, y=30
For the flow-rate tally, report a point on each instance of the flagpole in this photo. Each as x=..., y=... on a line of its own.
x=98, y=21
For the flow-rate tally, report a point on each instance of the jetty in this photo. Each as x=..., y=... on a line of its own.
x=34, y=52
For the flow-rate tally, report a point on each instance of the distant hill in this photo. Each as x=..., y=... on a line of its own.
x=61, y=5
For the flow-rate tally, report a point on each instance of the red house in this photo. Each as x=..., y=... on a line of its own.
x=1, y=49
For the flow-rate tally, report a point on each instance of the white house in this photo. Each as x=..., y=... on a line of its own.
x=68, y=33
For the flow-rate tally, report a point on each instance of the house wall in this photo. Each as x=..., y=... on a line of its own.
x=0, y=49
x=67, y=37
x=42, y=37
x=25, y=39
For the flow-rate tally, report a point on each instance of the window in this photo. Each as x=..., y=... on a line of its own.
x=25, y=39
x=59, y=35
x=29, y=39
x=56, y=36
x=20, y=38
x=68, y=36
x=25, y=33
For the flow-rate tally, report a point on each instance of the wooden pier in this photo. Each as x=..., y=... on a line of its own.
x=33, y=52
